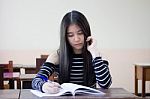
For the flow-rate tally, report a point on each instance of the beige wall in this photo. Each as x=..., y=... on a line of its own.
x=29, y=28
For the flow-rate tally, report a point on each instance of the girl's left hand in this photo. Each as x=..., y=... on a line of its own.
x=92, y=47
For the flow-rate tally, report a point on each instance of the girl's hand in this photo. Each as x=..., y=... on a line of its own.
x=51, y=87
x=92, y=47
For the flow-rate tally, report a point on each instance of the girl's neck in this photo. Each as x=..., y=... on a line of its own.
x=78, y=51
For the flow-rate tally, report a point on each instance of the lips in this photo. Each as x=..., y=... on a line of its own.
x=78, y=44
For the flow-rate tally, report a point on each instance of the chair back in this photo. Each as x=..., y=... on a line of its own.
x=44, y=56
x=5, y=68
x=1, y=77
x=39, y=63
x=8, y=67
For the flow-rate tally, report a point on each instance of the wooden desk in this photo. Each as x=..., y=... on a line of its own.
x=12, y=77
x=111, y=93
x=25, y=80
x=17, y=67
x=29, y=69
x=142, y=72
x=9, y=94
x=27, y=77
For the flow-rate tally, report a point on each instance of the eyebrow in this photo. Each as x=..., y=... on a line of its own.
x=77, y=31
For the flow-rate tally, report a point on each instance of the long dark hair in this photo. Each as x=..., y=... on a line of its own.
x=66, y=51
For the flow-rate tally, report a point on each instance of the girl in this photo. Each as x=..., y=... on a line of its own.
x=78, y=59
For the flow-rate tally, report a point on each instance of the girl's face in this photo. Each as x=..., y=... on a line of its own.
x=75, y=38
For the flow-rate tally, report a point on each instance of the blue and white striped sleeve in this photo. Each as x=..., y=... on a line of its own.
x=42, y=76
x=102, y=73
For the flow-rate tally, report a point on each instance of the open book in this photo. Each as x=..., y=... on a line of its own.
x=71, y=89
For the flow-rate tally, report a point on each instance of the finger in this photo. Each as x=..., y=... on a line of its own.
x=88, y=38
x=56, y=84
x=50, y=84
x=56, y=89
x=53, y=90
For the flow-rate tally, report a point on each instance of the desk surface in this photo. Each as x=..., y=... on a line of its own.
x=27, y=77
x=9, y=94
x=23, y=66
x=111, y=93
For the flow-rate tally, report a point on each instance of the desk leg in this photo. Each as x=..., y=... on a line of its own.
x=143, y=82
x=136, y=82
x=18, y=84
x=11, y=84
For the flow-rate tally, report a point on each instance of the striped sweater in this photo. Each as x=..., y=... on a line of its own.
x=100, y=66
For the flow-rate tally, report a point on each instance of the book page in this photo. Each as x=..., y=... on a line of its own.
x=70, y=86
x=83, y=91
x=70, y=89
x=79, y=89
x=40, y=94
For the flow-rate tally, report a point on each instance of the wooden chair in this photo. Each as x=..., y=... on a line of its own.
x=1, y=77
x=44, y=56
x=26, y=78
x=142, y=72
x=40, y=61
x=8, y=67
x=4, y=70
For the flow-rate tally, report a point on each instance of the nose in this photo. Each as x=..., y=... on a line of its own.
x=76, y=38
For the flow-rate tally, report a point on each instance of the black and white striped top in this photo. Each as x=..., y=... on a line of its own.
x=101, y=70
x=76, y=70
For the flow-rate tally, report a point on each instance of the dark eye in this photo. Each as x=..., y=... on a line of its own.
x=69, y=35
x=80, y=32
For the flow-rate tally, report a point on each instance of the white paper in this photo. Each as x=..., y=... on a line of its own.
x=72, y=89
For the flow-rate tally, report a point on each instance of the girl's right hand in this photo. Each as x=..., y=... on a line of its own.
x=51, y=87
